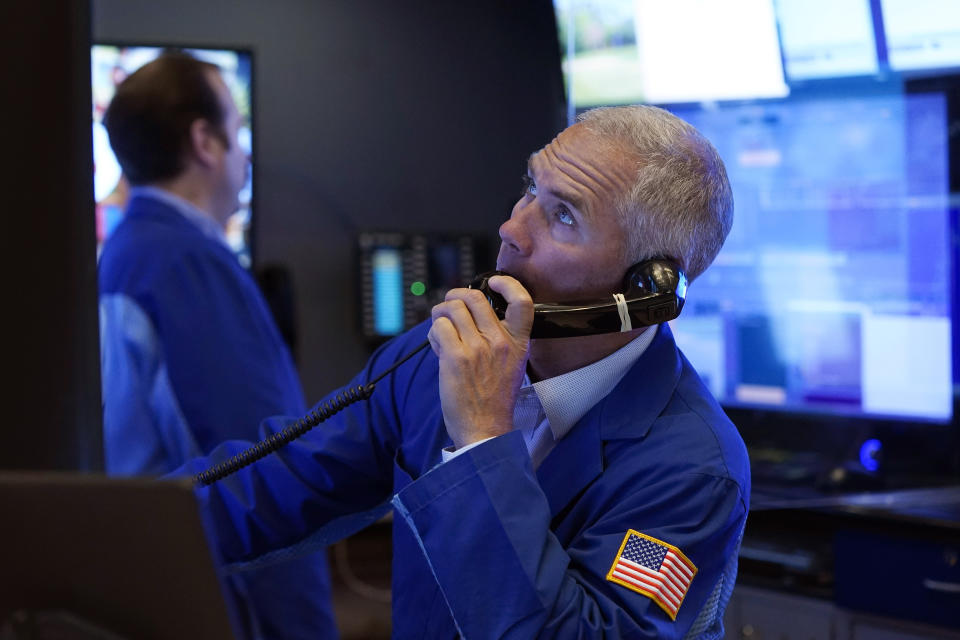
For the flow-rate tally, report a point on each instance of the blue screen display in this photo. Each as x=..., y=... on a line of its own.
x=832, y=293
x=387, y=291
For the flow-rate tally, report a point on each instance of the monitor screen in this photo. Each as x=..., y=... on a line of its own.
x=814, y=48
x=618, y=52
x=110, y=64
x=832, y=293
x=922, y=34
x=690, y=51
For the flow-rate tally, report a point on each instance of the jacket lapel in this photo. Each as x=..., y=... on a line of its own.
x=574, y=462
x=627, y=411
x=642, y=395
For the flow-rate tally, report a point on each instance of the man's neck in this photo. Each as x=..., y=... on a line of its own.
x=556, y=356
x=193, y=191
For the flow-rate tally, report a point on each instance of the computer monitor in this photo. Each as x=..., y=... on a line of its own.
x=625, y=51
x=816, y=49
x=129, y=558
x=110, y=64
x=828, y=324
x=832, y=293
x=690, y=51
x=922, y=36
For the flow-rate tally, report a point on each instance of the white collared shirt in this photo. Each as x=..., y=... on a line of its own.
x=547, y=410
x=203, y=220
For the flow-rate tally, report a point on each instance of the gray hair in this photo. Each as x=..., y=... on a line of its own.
x=680, y=205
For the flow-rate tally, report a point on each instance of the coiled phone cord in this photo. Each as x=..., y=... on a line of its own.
x=264, y=448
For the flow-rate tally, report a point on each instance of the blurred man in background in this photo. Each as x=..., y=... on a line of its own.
x=190, y=353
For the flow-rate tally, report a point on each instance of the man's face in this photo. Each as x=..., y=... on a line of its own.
x=563, y=240
x=232, y=172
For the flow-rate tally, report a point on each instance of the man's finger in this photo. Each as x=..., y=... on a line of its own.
x=519, y=316
x=462, y=318
x=443, y=335
x=480, y=310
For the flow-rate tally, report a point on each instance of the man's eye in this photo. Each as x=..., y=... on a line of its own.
x=529, y=186
x=565, y=217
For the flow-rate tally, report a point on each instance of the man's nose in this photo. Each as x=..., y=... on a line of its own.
x=515, y=232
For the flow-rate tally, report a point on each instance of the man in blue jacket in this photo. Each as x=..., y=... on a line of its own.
x=190, y=353
x=584, y=487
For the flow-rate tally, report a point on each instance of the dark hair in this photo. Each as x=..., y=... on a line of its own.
x=150, y=115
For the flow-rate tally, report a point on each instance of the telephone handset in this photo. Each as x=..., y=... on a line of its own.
x=653, y=292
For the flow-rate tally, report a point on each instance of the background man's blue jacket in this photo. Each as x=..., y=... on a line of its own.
x=191, y=357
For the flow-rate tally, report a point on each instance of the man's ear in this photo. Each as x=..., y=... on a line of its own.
x=204, y=143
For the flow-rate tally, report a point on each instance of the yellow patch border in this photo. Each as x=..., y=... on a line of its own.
x=650, y=594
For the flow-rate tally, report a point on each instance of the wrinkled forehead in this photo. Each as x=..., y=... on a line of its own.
x=588, y=163
x=580, y=145
x=574, y=139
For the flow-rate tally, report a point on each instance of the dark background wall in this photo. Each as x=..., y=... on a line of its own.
x=51, y=361
x=376, y=114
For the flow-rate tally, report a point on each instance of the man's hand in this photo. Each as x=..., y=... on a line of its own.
x=482, y=359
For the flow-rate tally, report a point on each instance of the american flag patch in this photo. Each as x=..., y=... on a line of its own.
x=654, y=568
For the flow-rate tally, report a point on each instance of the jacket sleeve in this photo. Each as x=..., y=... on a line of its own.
x=334, y=480
x=144, y=430
x=504, y=574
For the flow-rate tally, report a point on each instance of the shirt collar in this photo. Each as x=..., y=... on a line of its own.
x=201, y=219
x=567, y=397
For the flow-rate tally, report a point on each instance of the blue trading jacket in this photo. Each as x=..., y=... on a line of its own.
x=191, y=357
x=486, y=547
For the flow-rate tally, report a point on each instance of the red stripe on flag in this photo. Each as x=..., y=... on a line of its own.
x=680, y=579
x=655, y=593
x=660, y=587
x=678, y=583
x=650, y=585
x=672, y=566
x=679, y=562
x=675, y=590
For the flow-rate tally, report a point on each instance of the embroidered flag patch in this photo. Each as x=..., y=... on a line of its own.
x=654, y=568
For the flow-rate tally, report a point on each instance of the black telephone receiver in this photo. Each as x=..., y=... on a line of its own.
x=653, y=292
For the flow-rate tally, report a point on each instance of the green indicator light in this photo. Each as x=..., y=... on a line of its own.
x=418, y=288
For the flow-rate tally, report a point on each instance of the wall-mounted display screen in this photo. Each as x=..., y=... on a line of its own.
x=692, y=51
x=832, y=292
x=815, y=48
x=110, y=64
x=617, y=51
x=922, y=34
x=833, y=295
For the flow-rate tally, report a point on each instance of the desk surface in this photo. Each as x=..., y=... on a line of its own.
x=939, y=506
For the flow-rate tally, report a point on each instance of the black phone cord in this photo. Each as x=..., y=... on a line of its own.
x=264, y=448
